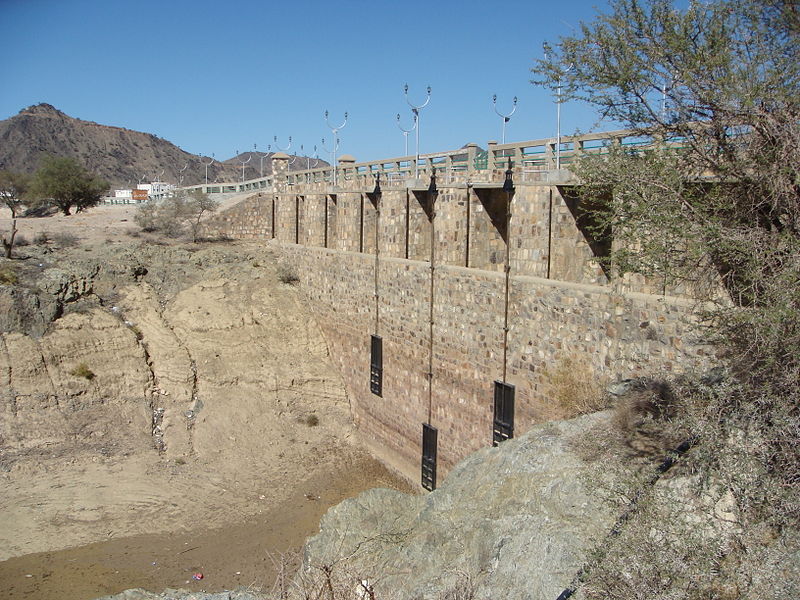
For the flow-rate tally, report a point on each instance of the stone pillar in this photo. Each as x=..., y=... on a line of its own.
x=490, y=157
x=472, y=150
x=346, y=163
x=280, y=170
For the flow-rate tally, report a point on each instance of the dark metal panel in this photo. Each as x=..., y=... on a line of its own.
x=503, y=425
x=376, y=366
x=430, y=437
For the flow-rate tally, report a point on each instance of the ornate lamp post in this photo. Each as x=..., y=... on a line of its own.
x=180, y=173
x=249, y=158
x=208, y=164
x=558, y=107
x=506, y=118
x=263, y=156
x=335, y=131
x=275, y=139
x=415, y=109
x=406, y=131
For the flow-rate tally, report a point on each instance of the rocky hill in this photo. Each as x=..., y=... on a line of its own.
x=121, y=156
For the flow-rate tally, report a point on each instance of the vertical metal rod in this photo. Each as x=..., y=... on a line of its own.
x=408, y=223
x=507, y=284
x=466, y=236
x=325, y=234
x=508, y=188
x=431, y=199
x=297, y=219
x=549, y=233
x=361, y=224
x=377, y=260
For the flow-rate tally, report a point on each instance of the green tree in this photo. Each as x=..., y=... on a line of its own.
x=13, y=187
x=714, y=203
x=67, y=184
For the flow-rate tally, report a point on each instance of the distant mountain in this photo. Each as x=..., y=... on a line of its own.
x=121, y=156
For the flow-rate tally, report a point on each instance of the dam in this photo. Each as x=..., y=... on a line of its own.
x=463, y=295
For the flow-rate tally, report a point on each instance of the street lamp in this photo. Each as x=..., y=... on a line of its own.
x=506, y=118
x=335, y=131
x=558, y=107
x=415, y=110
x=249, y=158
x=207, y=164
x=180, y=173
x=275, y=139
x=308, y=158
x=406, y=131
x=332, y=152
x=263, y=156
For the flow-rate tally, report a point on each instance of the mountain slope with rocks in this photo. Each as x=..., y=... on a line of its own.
x=121, y=156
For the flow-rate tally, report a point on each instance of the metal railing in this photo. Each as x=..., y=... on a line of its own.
x=533, y=160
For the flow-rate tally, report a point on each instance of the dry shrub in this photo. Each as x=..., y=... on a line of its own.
x=576, y=389
x=643, y=400
x=82, y=370
x=287, y=274
x=8, y=275
x=333, y=581
x=643, y=418
x=65, y=239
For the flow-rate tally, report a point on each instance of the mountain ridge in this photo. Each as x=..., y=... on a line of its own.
x=124, y=157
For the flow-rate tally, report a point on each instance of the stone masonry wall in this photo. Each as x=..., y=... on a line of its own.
x=570, y=330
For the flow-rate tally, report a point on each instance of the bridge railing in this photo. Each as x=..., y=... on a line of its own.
x=533, y=160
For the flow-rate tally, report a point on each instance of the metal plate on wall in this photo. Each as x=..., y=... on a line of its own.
x=376, y=366
x=503, y=425
x=430, y=437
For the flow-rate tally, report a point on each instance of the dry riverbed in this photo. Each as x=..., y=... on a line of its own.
x=213, y=432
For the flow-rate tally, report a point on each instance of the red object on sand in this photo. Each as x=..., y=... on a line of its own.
x=197, y=576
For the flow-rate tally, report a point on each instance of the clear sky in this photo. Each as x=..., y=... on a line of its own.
x=221, y=76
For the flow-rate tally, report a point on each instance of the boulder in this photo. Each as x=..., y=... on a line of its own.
x=516, y=521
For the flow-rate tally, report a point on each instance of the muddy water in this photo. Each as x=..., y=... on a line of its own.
x=241, y=555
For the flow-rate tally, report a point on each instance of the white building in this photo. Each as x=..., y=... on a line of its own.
x=157, y=190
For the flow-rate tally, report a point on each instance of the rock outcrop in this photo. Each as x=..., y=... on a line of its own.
x=517, y=521
x=191, y=370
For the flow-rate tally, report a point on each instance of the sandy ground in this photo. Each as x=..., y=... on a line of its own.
x=78, y=521
x=244, y=553
x=107, y=221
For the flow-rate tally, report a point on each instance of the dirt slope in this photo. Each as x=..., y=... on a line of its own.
x=183, y=389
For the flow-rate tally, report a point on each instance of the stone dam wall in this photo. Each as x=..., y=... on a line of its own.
x=406, y=263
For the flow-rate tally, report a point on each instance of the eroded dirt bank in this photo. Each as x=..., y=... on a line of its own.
x=166, y=391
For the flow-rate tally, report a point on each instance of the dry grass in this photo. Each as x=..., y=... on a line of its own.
x=576, y=390
x=288, y=275
x=8, y=275
x=82, y=370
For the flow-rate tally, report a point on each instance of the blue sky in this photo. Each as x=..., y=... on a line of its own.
x=219, y=77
